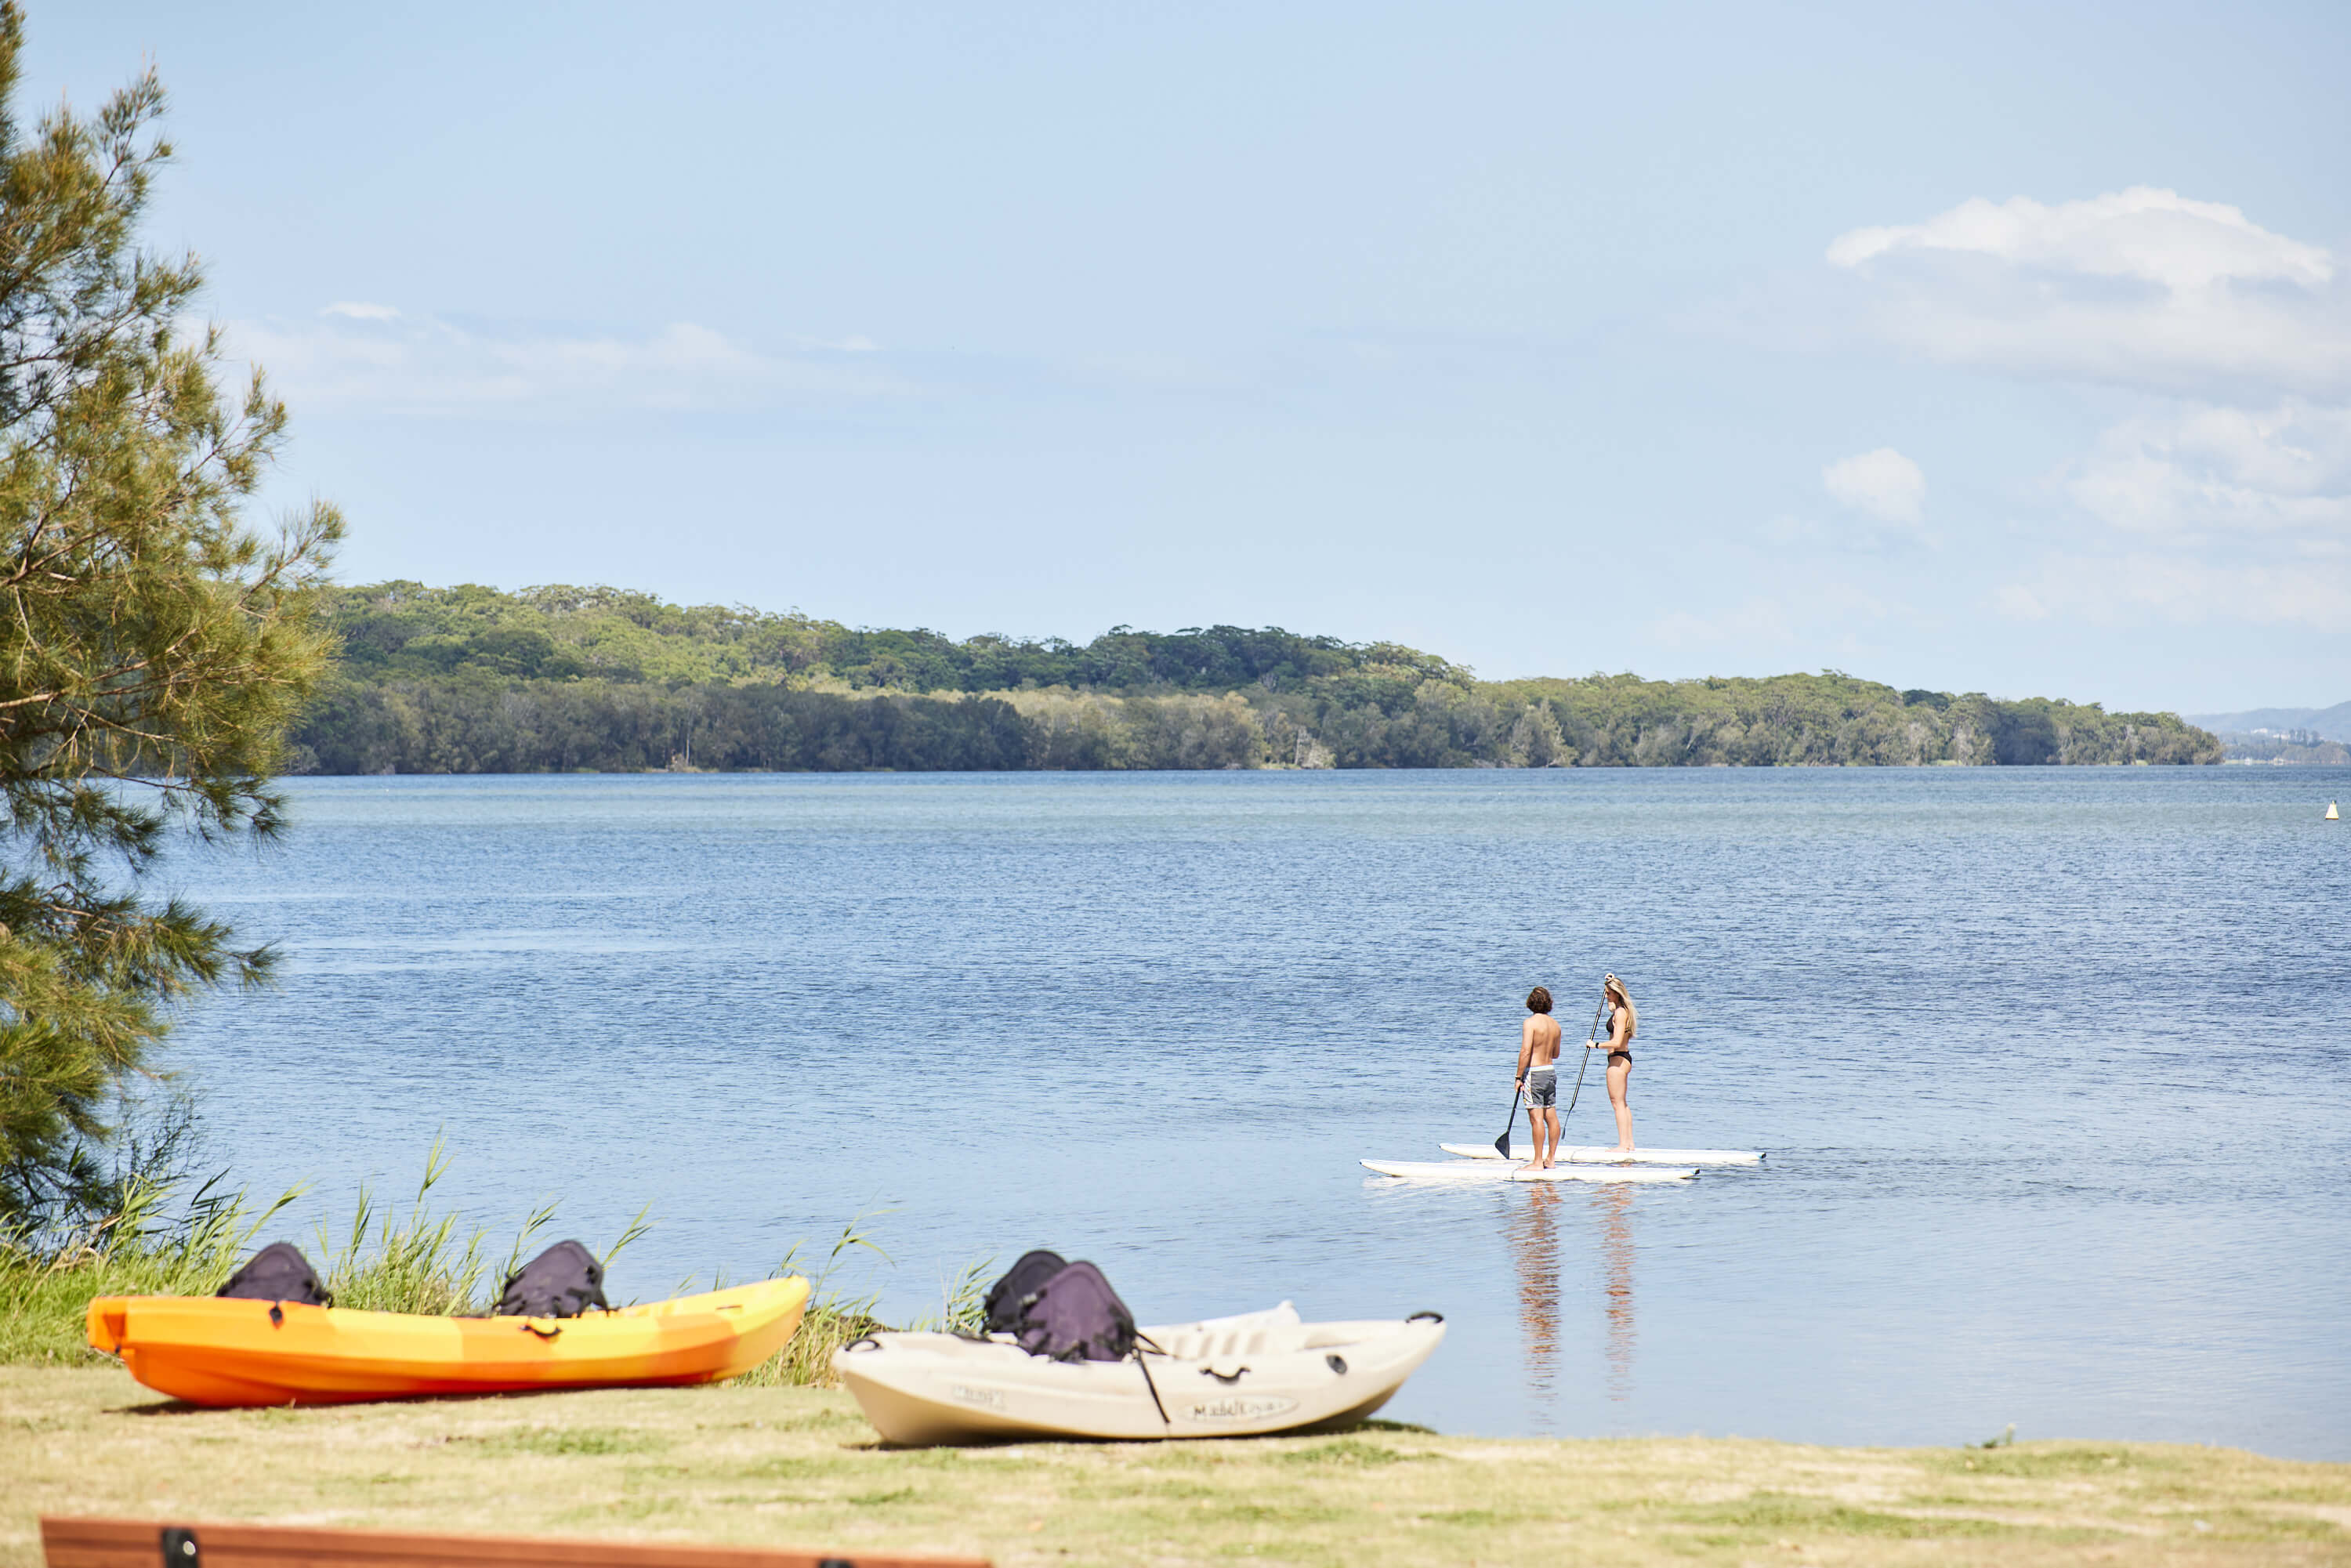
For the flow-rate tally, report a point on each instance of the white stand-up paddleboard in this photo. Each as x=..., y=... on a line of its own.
x=1502, y=1170
x=1603, y=1155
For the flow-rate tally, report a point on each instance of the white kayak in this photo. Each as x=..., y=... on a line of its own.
x=1606, y=1155
x=1503, y=1170
x=1225, y=1377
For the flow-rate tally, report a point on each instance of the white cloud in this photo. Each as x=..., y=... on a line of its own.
x=2228, y=496
x=2152, y=235
x=1882, y=484
x=374, y=355
x=2143, y=289
x=2113, y=589
x=2202, y=514
x=2282, y=474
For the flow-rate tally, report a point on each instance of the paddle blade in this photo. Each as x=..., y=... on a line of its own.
x=1502, y=1144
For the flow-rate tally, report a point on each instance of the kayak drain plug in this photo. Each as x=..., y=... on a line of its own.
x=1337, y=1364
x=179, y=1549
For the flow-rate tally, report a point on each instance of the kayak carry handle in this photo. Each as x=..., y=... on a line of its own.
x=529, y=1327
x=1432, y=1317
x=863, y=1341
x=1227, y=1378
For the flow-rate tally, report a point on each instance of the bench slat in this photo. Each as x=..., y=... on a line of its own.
x=139, y=1544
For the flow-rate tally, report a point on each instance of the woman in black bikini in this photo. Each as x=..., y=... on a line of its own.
x=1619, y=1047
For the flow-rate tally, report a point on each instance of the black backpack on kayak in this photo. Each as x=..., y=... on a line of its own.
x=278, y=1272
x=1076, y=1316
x=1009, y=1295
x=563, y=1281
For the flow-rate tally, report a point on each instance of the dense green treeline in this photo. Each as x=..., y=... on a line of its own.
x=471, y=679
x=406, y=630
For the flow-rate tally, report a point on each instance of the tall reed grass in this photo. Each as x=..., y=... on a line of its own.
x=131, y=1252
x=420, y=1264
x=833, y=1318
x=383, y=1260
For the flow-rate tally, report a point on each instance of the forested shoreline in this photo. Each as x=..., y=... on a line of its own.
x=471, y=679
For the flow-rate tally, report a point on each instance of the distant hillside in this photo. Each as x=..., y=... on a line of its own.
x=469, y=679
x=2326, y=723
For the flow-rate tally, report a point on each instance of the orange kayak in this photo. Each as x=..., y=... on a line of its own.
x=211, y=1351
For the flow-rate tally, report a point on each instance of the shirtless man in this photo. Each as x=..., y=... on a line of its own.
x=1539, y=1076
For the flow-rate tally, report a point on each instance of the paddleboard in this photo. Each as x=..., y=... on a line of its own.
x=1610, y=1157
x=1501, y=1170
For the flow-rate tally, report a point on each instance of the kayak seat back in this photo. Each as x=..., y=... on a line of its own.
x=1009, y=1295
x=278, y=1272
x=563, y=1281
x=1076, y=1316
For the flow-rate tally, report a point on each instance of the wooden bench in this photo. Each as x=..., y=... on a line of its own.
x=155, y=1543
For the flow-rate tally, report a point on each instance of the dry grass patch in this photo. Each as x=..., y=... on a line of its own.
x=786, y=1466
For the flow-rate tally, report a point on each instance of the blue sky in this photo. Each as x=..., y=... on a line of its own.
x=1980, y=348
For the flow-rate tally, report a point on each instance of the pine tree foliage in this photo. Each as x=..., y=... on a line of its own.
x=153, y=649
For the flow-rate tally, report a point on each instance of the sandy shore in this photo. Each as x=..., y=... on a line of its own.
x=795, y=1466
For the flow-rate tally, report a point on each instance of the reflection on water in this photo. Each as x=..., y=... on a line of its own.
x=1534, y=1242
x=1613, y=1206
x=1533, y=1231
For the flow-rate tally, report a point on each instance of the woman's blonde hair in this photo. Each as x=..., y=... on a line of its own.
x=1632, y=1013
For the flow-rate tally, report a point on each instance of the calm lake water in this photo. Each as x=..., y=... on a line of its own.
x=2053, y=1066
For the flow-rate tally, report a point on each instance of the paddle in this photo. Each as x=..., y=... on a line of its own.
x=1590, y=1034
x=1502, y=1144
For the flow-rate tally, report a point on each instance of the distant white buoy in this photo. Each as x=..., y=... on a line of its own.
x=2332, y=814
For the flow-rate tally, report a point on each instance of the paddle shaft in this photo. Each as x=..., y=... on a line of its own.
x=1589, y=1035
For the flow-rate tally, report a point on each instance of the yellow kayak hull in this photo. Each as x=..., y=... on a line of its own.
x=210, y=1351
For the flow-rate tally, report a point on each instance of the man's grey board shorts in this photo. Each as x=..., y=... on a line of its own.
x=1542, y=1088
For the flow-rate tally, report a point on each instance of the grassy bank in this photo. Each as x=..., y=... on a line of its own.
x=798, y=1466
